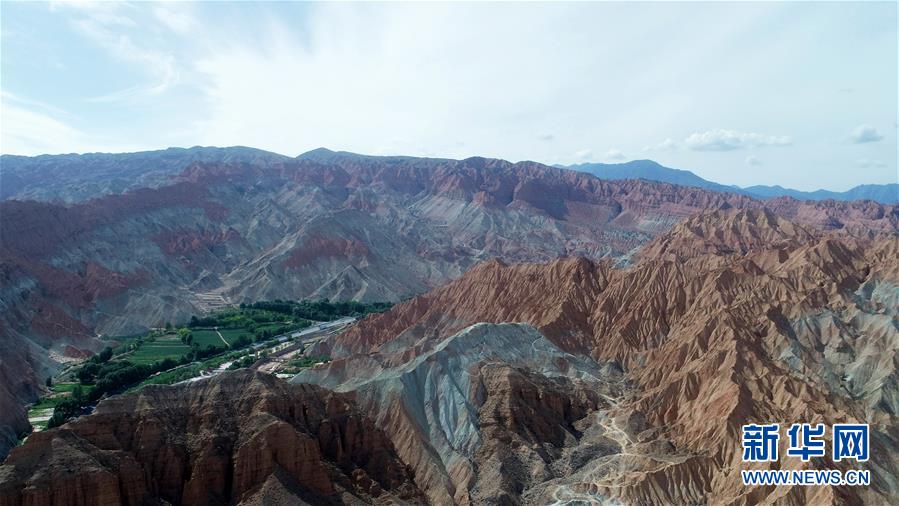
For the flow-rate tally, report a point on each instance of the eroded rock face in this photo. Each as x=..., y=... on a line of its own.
x=241, y=436
x=494, y=414
x=474, y=413
x=731, y=318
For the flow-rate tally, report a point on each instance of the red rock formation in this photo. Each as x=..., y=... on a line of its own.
x=324, y=247
x=211, y=442
x=731, y=318
x=178, y=243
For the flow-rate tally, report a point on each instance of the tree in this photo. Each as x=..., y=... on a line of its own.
x=87, y=372
x=105, y=355
x=78, y=394
x=49, y=382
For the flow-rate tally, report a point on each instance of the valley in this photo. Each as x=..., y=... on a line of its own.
x=249, y=336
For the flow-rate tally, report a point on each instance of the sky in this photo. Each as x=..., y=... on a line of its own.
x=799, y=94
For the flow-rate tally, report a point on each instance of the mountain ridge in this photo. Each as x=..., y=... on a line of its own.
x=49, y=178
x=648, y=169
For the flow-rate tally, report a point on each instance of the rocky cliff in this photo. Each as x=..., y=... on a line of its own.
x=242, y=437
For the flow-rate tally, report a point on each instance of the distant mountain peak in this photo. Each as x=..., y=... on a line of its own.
x=316, y=152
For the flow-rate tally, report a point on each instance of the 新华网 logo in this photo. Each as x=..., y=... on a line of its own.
x=806, y=441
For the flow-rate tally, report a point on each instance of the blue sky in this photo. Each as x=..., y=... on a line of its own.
x=798, y=94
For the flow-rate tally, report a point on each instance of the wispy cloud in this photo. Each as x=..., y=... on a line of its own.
x=666, y=145
x=614, y=155
x=109, y=25
x=865, y=163
x=176, y=19
x=730, y=140
x=863, y=134
x=720, y=140
x=30, y=127
x=584, y=155
x=8, y=97
x=752, y=161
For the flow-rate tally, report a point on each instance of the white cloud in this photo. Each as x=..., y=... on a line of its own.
x=729, y=140
x=32, y=128
x=178, y=20
x=863, y=134
x=30, y=132
x=614, y=155
x=866, y=163
x=446, y=80
x=752, y=161
x=106, y=13
x=437, y=74
x=584, y=155
x=9, y=98
x=110, y=25
x=668, y=144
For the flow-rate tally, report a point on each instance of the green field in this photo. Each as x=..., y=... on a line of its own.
x=175, y=353
x=204, y=337
x=50, y=402
x=231, y=335
x=168, y=346
x=191, y=370
x=59, y=388
x=53, y=399
x=271, y=327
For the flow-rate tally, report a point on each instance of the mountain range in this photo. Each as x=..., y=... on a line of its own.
x=653, y=171
x=73, y=178
x=558, y=337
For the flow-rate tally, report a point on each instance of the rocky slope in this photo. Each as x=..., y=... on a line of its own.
x=731, y=318
x=243, y=437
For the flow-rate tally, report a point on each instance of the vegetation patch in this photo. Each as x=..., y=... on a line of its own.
x=300, y=363
x=173, y=354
